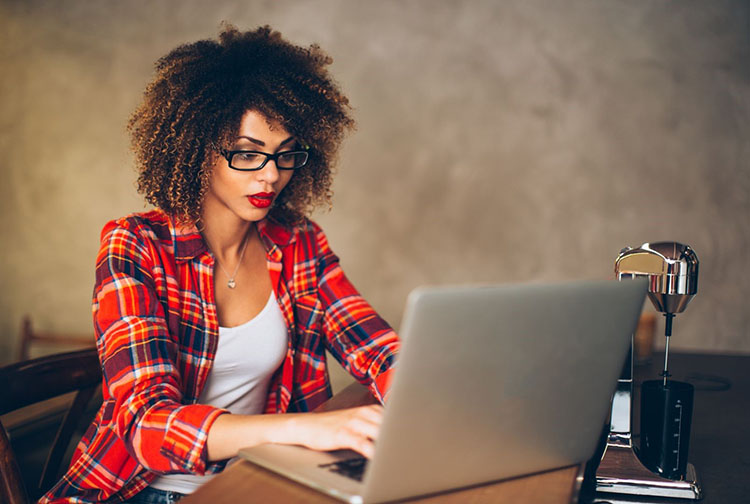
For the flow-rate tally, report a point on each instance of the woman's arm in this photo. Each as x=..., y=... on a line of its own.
x=364, y=343
x=143, y=387
x=355, y=429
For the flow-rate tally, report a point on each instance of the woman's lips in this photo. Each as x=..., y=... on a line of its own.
x=261, y=199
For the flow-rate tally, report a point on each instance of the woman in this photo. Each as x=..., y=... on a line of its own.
x=218, y=306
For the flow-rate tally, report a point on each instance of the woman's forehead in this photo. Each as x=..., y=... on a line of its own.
x=256, y=126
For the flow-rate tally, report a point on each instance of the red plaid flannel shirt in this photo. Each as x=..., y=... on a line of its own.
x=157, y=332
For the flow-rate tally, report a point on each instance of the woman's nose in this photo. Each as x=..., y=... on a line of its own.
x=270, y=172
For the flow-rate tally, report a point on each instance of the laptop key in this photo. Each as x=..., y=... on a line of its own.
x=351, y=468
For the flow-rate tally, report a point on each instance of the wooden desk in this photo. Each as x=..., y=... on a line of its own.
x=246, y=482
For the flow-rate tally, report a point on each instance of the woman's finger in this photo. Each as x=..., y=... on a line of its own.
x=359, y=443
x=364, y=428
x=373, y=413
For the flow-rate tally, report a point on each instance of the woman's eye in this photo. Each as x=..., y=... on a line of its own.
x=292, y=159
x=247, y=156
x=285, y=159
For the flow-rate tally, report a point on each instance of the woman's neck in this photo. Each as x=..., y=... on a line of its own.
x=226, y=238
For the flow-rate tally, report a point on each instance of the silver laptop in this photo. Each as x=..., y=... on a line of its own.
x=492, y=382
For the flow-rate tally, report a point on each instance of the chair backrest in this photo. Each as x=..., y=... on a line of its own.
x=29, y=382
x=29, y=336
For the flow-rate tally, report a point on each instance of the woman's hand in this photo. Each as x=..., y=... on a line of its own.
x=355, y=429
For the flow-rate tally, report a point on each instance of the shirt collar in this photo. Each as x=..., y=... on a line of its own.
x=189, y=243
x=187, y=240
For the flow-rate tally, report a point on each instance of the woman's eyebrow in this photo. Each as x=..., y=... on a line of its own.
x=262, y=143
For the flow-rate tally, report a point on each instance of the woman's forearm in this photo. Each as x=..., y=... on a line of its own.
x=230, y=432
x=354, y=428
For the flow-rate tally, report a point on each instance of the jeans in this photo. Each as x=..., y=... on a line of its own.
x=154, y=496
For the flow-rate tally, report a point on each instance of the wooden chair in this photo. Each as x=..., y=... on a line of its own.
x=26, y=383
x=28, y=337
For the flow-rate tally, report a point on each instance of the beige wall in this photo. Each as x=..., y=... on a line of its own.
x=497, y=142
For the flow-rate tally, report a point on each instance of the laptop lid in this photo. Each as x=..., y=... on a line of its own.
x=499, y=381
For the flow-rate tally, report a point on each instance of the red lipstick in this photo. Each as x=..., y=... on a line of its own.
x=261, y=199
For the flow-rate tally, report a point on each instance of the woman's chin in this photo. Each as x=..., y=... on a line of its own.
x=256, y=214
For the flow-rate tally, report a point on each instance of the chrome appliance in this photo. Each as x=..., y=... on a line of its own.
x=654, y=471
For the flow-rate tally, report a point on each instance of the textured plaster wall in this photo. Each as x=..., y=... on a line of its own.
x=497, y=142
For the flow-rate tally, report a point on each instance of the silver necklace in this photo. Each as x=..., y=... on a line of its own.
x=231, y=283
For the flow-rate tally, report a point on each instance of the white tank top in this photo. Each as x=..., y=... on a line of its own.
x=246, y=358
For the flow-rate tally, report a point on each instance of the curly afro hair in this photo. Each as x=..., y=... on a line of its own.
x=195, y=104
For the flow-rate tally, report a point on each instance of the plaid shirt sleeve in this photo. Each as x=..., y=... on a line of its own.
x=138, y=359
x=364, y=344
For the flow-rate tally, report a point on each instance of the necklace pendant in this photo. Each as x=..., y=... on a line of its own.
x=231, y=284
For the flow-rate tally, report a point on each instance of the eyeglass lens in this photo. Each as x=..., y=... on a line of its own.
x=253, y=160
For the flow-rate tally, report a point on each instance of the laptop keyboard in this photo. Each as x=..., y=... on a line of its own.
x=351, y=468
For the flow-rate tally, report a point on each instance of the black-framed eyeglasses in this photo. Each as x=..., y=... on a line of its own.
x=249, y=160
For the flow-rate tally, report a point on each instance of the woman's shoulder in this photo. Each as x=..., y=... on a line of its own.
x=138, y=231
x=153, y=223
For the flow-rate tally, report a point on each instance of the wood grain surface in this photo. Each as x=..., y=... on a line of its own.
x=246, y=482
